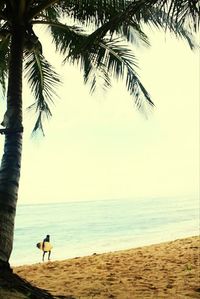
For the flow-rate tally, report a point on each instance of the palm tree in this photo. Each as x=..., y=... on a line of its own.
x=99, y=54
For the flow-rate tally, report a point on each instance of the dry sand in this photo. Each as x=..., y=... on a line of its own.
x=166, y=270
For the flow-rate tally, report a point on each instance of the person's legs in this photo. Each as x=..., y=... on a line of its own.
x=49, y=255
x=43, y=255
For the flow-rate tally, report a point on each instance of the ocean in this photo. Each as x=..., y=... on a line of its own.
x=83, y=228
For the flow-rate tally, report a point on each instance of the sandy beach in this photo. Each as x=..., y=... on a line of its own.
x=166, y=270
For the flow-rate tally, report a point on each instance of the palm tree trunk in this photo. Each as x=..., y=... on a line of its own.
x=11, y=160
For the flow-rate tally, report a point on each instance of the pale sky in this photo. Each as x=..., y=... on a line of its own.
x=100, y=147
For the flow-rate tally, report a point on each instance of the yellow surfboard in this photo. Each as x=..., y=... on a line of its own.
x=47, y=246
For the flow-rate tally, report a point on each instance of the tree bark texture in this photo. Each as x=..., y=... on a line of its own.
x=11, y=160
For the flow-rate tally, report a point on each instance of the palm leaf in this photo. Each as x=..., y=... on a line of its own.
x=126, y=17
x=112, y=59
x=42, y=80
x=92, y=11
x=64, y=36
x=52, y=13
x=136, y=14
x=160, y=19
x=70, y=39
x=93, y=75
x=39, y=6
x=122, y=62
x=184, y=12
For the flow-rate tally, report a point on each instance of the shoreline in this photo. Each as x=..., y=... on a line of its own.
x=101, y=227
x=165, y=270
x=60, y=255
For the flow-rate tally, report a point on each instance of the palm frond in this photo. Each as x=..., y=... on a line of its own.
x=42, y=80
x=138, y=13
x=64, y=36
x=70, y=40
x=112, y=59
x=51, y=13
x=122, y=62
x=37, y=7
x=133, y=34
x=92, y=11
x=96, y=77
x=161, y=20
x=184, y=12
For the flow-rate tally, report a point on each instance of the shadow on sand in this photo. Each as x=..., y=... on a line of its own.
x=12, y=282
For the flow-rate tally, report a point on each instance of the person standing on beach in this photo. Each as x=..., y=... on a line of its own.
x=46, y=247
